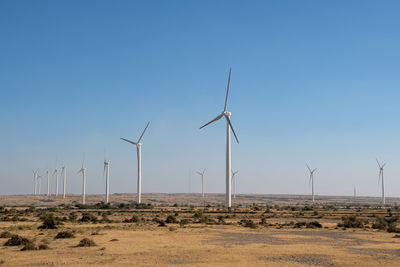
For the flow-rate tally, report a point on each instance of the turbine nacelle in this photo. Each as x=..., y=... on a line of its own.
x=227, y=113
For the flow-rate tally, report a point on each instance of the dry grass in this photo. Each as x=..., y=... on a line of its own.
x=210, y=236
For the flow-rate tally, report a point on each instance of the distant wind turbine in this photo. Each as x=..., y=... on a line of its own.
x=83, y=171
x=56, y=174
x=383, y=182
x=227, y=114
x=312, y=181
x=35, y=174
x=48, y=182
x=139, y=160
x=64, y=173
x=107, y=174
x=202, y=181
x=39, y=179
x=234, y=183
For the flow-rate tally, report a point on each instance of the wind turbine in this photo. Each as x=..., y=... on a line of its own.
x=381, y=176
x=35, y=174
x=64, y=173
x=312, y=181
x=227, y=114
x=48, y=182
x=39, y=182
x=107, y=174
x=83, y=171
x=56, y=173
x=234, y=183
x=139, y=160
x=202, y=181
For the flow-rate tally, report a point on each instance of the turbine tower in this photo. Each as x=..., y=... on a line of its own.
x=39, y=182
x=64, y=173
x=35, y=174
x=227, y=114
x=312, y=181
x=202, y=181
x=83, y=171
x=139, y=160
x=48, y=182
x=383, y=183
x=234, y=183
x=107, y=174
x=56, y=174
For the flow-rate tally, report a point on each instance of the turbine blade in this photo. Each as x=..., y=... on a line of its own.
x=383, y=165
x=314, y=170
x=378, y=163
x=308, y=167
x=204, y=171
x=217, y=118
x=309, y=182
x=199, y=173
x=227, y=89
x=140, y=138
x=129, y=141
x=230, y=124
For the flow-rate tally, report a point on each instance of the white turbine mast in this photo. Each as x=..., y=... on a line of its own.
x=64, y=174
x=234, y=183
x=139, y=160
x=56, y=174
x=83, y=171
x=383, y=182
x=106, y=173
x=312, y=182
x=48, y=182
x=202, y=181
x=227, y=114
x=39, y=182
x=35, y=174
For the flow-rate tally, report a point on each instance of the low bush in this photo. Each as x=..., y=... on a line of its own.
x=351, y=222
x=49, y=222
x=5, y=234
x=248, y=223
x=43, y=247
x=134, y=219
x=86, y=242
x=17, y=240
x=88, y=217
x=65, y=234
x=171, y=219
x=29, y=246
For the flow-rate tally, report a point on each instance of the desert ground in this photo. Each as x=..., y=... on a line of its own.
x=187, y=230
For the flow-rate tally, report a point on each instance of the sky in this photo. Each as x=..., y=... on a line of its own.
x=312, y=82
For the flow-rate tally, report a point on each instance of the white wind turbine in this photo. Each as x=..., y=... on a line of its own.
x=35, y=174
x=56, y=174
x=381, y=176
x=312, y=182
x=39, y=182
x=202, y=181
x=229, y=127
x=48, y=182
x=107, y=174
x=234, y=183
x=139, y=160
x=64, y=174
x=83, y=171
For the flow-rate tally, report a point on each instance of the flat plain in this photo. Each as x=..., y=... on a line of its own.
x=186, y=230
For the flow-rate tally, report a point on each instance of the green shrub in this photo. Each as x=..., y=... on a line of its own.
x=88, y=217
x=43, y=247
x=86, y=242
x=171, y=219
x=65, y=234
x=17, y=240
x=49, y=222
x=5, y=234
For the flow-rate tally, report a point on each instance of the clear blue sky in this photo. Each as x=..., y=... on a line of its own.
x=312, y=81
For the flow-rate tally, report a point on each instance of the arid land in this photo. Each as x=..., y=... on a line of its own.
x=187, y=230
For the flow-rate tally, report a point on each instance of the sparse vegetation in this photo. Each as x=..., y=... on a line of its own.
x=16, y=240
x=86, y=242
x=65, y=234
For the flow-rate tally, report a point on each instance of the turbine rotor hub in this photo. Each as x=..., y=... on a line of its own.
x=227, y=113
x=139, y=144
